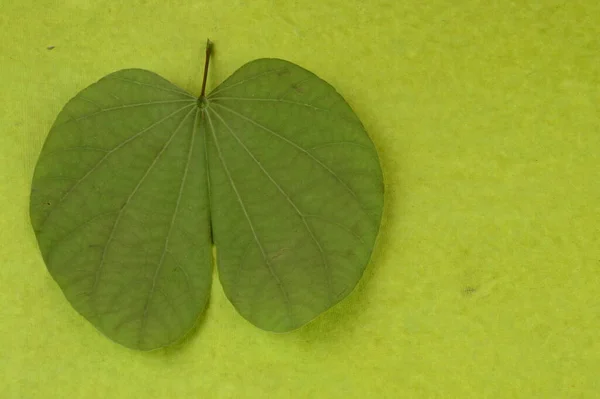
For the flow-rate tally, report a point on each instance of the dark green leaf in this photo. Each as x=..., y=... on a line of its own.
x=135, y=171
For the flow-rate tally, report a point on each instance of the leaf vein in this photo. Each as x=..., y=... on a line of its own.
x=341, y=226
x=175, y=210
x=78, y=227
x=186, y=276
x=304, y=151
x=150, y=85
x=275, y=100
x=104, y=158
x=82, y=148
x=124, y=206
x=332, y=143
x=244, y=81
x=326, y=265
x=251, y=225
x=120, y=107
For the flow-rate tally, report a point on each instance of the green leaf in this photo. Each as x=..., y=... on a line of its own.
x=138, y=179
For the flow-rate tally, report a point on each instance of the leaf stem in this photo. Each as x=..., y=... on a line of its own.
x=206, y=60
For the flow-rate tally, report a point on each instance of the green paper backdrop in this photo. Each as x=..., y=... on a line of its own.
x=484, y=282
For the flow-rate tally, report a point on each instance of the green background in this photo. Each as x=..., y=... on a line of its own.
x=484, y=282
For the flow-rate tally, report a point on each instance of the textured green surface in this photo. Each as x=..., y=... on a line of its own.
x=136, y=175
x=119, y=204
x=296, y=193
x=485, y=282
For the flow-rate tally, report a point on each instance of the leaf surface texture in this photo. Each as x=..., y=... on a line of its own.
x=137, y=181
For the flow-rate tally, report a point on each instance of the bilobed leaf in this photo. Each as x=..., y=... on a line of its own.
x=138, y=179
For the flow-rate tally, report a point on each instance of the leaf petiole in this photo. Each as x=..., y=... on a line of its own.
x=209, y=45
